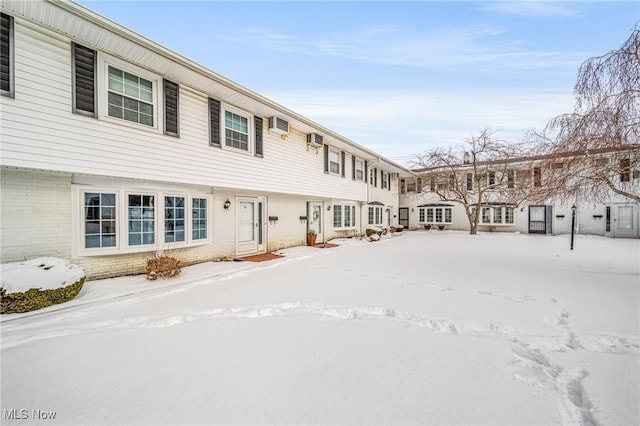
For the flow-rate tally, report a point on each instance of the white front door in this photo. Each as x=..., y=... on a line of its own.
x=314, y=219
x=624, y=220
x=248, y=223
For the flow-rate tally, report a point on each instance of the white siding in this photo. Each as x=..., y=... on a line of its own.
x=39, y=130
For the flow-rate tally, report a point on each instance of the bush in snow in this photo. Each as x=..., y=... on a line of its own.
x=38, y=283
x=373, y=233
x=163, y=267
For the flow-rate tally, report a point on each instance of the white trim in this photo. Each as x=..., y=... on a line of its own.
x=224, y=107
x=102, y=92
x=122, y=221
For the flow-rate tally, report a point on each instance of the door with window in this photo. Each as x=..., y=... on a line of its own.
x=250, y=225
x=625, y=220
x=403, y=217
x=540, y=219
x=314, y=219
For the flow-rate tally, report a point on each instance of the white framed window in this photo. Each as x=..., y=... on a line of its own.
x=100, y=219
x=385, y=180
x=122, y=221
x=199, y=219
x=238, y=129
x=334, y=161
x=174, y=219
x=374, y=215
x=436, y=215
x=141, y=219
x=130, y=97
x=344, y=216
x=128, y=94
x=359, y=169
x=497, y=215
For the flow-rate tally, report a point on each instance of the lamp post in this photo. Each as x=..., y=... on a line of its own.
x=573, y=223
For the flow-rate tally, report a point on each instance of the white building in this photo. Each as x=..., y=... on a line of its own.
x=114, y=148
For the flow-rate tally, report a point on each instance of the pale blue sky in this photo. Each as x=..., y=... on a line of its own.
x=396, y=77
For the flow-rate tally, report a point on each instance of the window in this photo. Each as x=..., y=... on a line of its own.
x=469, y=181
x=437, y=215
x=199, y=218
x=374, y=177
x=511, y=178
x=625, y=170
x=99, y=219
x=174, y=219
x=6, y=55
x=492, y=178
x=147, y=226
x=130, y=97
x=349, y=216
x=537, y=176
x=385, y=179
x=334, y=161
x=142, y=219
x=236, y=131
x=375, y=215
x=358, y=169
x=344, y=216
x=337, y=216
x=497, y=215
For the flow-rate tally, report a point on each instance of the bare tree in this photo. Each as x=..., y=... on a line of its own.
x=596, y=149
x=484, y=169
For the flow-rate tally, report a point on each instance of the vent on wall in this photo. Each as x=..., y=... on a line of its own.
x=278, y=125
x=314, y=140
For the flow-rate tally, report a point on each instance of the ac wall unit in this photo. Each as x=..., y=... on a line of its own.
x=314, y=140
x=278, y=125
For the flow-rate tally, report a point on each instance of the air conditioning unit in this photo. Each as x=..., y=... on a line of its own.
x=314, y=140
x=278, y=125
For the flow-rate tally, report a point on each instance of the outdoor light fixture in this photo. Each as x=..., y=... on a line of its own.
x=227, y=204
x=329, y=207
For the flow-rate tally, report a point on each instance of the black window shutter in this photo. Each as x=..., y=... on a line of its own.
x=171, y=94
x=84, y=80
x=353, y=167
x=6, y=54
x=343, y=157
x=258, y=125
x=214, y=122
x=366, y=172
x=326, y=158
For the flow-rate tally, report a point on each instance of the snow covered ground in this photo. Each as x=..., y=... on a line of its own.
x=423, y=327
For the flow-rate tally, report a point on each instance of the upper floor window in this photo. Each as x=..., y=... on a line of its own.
x=130, y=97
x=385, y=180
x=334, y=161
x=625, y=170
x=358, y=169
x=6, y=55
x=236, y=130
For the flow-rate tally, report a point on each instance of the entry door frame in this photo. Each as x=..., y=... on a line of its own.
x=403, y=217
x=315, y=215
x=623, y=225
x=251, y=227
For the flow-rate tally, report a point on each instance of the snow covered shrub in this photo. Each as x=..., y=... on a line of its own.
x=38, y=283
x=163, y=267
x=373, y=233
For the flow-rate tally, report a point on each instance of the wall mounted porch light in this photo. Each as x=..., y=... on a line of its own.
x=227, y=204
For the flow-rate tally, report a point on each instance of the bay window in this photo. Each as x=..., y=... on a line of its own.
x=436, y=214
x=119, y=221
x=344, y=216
x=497, y=215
